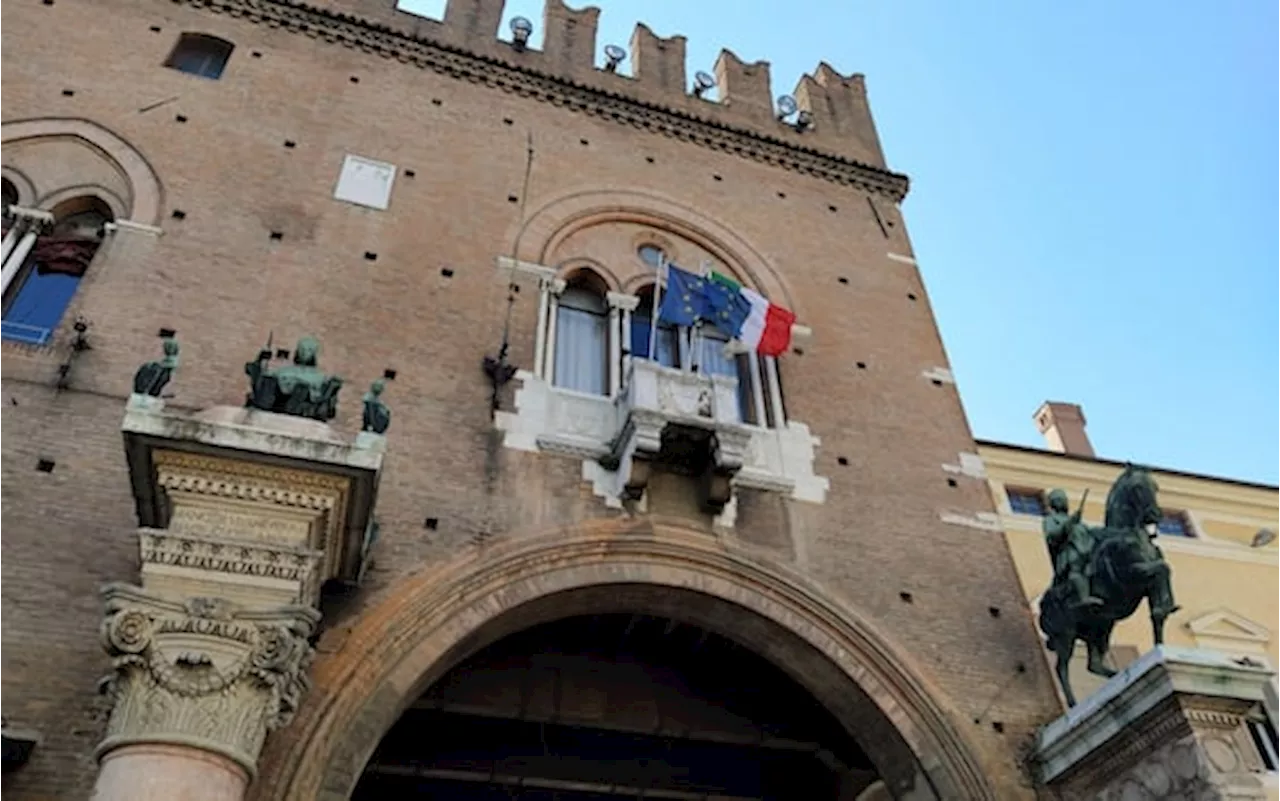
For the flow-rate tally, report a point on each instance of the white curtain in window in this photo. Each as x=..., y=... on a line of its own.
x=712, y=360
x=582, y=343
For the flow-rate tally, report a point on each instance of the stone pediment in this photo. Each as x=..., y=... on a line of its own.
x=1226, y=630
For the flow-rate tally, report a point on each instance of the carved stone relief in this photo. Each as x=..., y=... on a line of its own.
x=203, y=672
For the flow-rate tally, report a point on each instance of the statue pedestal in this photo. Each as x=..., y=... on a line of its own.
x=243, y=516
x=1174, y=724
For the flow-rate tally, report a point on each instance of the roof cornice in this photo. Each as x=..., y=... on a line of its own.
x=372, y=37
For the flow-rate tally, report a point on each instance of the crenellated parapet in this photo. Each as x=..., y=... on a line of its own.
x=832, y=137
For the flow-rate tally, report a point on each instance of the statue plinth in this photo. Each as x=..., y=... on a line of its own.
x=243, y=515
x=1175, y=723
x=253, y=506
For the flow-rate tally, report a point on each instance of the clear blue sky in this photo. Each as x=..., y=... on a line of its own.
x=1093, y=203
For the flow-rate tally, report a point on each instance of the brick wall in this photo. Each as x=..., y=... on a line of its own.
x=219, y=278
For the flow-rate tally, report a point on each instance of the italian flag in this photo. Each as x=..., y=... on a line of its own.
x=766, y=327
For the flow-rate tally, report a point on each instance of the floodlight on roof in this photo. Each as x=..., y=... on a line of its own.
x=615, y=56
x=702, y=81
x=786, y=106
x=521, y=28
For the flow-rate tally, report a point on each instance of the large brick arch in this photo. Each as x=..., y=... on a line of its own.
x=561, y=217
x=146, y=193
x=431, y=621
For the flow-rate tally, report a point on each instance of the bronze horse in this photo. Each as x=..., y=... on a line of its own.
x=1125, y=567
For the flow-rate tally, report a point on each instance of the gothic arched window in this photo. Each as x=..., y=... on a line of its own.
x=46, y=271
x=582, y=337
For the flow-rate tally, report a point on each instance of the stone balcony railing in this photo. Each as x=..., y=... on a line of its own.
x=689, y=422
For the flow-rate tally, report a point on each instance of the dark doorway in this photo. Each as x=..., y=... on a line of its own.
x=616, y=706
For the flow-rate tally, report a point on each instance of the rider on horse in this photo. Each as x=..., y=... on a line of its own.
x=1070, y=544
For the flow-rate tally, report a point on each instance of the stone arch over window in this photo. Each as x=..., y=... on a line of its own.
x=542, y=235
x=44, y=264
x=200, y=54
x=432, y=622
x=19, y=186
x=59, y=159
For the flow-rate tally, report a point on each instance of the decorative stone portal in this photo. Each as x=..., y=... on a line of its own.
x=378, y=669
x=244, y=515
x=611, y=705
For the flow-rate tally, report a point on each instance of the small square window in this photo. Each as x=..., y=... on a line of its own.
x=1026, y=502
x=1175, y=524
x=200, y=54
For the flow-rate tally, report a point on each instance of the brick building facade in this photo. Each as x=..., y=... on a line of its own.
x=855, y=553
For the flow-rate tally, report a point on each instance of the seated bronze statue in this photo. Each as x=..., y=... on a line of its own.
x=299, y=389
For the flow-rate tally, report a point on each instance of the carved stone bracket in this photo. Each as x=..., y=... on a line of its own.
x=203, y=673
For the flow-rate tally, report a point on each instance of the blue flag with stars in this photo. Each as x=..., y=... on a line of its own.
x=728, y=309
x=686, y=299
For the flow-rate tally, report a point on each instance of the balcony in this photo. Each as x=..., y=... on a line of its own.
x=688, y=422
x=685, y=422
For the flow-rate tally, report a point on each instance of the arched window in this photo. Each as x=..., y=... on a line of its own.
x=582, y=337
x=46, y=278
x=200, y=54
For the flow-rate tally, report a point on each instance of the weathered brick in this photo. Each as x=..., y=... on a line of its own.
x=219, y=279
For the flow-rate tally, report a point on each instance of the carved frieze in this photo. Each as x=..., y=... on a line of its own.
x=294, y=567
x=204, y=672
x=249, y=502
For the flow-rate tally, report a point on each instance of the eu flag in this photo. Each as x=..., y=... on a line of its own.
x=686, y=299
x=728, y=308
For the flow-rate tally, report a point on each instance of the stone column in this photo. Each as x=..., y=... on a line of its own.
x=35, y=222
x=547, y=366
x=1174, y=724
x=243, y=515
x=197, y=685
x=620, y=308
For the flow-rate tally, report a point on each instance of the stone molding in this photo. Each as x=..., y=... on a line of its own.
x=203, y=673
x=1183, y=768
x=223, y=478
x=147, y=200
x=400, y=643
x=1174, y=721
x=355, y=33
x=215, y=555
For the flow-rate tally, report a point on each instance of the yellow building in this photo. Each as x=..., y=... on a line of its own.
x=1218, y=536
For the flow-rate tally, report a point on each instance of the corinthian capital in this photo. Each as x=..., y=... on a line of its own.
x=203, y=672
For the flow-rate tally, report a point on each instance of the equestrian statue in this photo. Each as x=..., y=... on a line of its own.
x=1101, y=575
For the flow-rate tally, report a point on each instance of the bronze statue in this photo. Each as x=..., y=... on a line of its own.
x=299, y=389
x=1123, y=567
x=377, y=416
x=152, y=377
x=1070, y=543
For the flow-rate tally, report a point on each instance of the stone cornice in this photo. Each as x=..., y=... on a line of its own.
x=354, y=32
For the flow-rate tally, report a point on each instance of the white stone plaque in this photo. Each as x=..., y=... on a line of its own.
x=365, y=182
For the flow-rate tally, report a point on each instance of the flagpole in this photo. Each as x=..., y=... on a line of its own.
x=657, y=297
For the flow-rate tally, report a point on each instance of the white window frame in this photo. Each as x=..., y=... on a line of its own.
x=765, y=388
x=14, y=248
